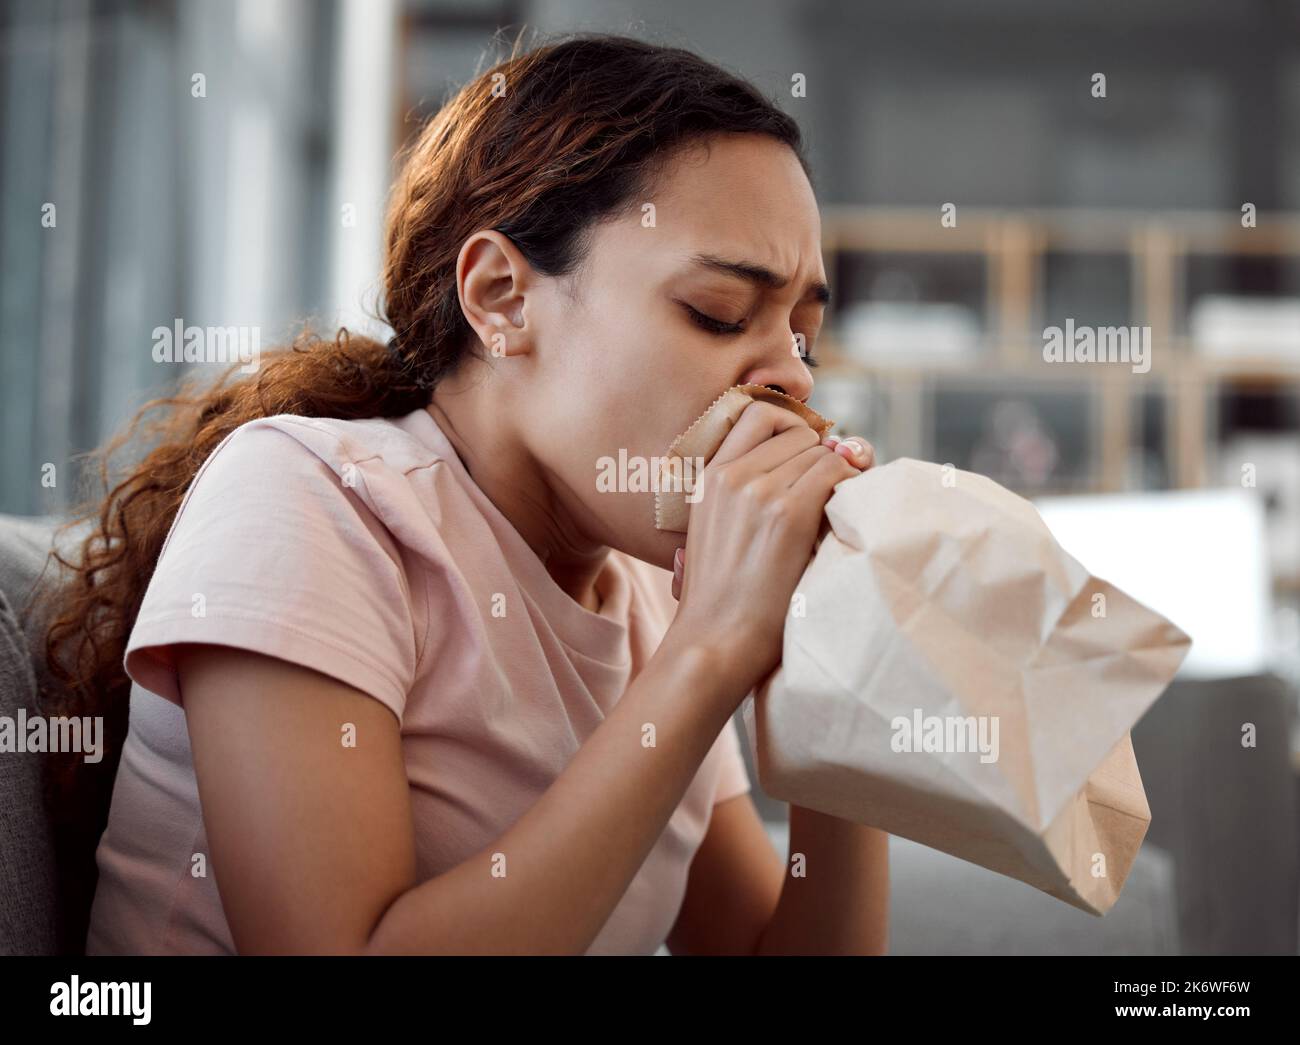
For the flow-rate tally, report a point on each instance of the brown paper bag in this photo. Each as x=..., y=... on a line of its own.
x=952, y=676
x=675, y=488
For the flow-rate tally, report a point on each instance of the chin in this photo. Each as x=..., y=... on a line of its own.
x=650, y=545
x=663, y=545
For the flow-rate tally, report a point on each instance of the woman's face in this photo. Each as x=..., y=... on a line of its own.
x=704, y=286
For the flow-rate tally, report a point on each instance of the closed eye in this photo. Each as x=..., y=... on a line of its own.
x=714, y=326
x=722, y=329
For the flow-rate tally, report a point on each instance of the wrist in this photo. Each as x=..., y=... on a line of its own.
x=715, y=666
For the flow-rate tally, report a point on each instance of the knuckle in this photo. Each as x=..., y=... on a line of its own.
x=770, y=415
x=754, y=497
x=727, y=479
x=762, y=409
x=780, y=510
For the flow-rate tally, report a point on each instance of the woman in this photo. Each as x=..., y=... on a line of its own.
x=424, y=687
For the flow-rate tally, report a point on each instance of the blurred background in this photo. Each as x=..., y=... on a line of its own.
x=987, y=171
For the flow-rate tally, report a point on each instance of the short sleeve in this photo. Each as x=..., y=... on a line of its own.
x=272, y=552
x=733, y=776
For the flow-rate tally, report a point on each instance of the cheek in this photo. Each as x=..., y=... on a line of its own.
x=610, y=461
x=626, y=384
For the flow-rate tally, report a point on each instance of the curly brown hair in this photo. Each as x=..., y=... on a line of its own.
x=539, y=147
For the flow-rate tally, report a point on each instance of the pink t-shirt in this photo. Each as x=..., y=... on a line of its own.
x=363, y=549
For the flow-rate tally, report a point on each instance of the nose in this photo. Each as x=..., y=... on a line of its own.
x=783, y=372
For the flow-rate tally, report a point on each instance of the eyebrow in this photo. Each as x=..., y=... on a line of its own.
x=759, y=275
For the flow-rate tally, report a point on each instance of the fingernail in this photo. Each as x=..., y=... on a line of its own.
x=679, y=560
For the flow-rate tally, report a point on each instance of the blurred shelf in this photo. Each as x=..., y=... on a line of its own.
x=1177, y=360
x=1083, y=229
x=1017, y=273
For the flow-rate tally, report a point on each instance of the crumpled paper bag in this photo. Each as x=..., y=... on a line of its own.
x=951, y=675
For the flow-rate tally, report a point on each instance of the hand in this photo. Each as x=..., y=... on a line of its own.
x=752, y=531
x=853, y=449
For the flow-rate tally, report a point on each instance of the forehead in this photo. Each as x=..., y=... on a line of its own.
x=740, y=196
x=742, y=183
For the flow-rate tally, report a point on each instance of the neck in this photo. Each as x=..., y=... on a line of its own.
x=517, y=485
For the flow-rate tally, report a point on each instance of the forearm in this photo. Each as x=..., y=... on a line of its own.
x=549, y=884
x=841, y=903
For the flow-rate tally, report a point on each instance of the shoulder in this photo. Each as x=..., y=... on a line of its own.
x=335, y=443
x=387, y=466
x=291, y=541
x=306, y=491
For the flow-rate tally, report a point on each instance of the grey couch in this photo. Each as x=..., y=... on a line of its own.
x=29, y=907
x=53, y=808
x=939, y=905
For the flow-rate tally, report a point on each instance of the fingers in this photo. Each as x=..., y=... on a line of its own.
x=808, y=475
x=815, y=485
x=757, y=423
x=777, y=451
x=854, y=449
x=857, y=451
x=793, y=470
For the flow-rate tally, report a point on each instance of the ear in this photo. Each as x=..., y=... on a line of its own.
x=492, y=282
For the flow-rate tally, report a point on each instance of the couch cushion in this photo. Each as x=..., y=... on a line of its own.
x=1226, y=810
x=71, y=829
x=28, y=902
